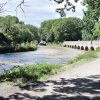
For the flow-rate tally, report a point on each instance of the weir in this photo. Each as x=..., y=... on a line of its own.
x=82, y=45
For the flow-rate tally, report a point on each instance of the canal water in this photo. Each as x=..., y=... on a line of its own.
x=41, y=55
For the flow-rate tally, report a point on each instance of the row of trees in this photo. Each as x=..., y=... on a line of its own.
x=13, y=31
x=91, y=19
x=61, y=29
x=58, y=29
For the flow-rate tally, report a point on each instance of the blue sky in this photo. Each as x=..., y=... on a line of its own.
x=38, y=11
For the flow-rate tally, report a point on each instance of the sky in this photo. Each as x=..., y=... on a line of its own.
x=36, y=11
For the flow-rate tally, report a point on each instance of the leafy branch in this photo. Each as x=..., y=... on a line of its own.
x=67, y=6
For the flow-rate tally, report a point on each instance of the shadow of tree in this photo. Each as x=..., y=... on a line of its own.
x=87, y=88
x=33, y=86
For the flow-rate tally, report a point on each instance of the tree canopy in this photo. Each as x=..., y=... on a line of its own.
x=91, y=17
x=16, y=31
x=91, y=21
x=59, y=30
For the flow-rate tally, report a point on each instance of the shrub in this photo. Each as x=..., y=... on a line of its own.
x=27, y=46
x=30, y=72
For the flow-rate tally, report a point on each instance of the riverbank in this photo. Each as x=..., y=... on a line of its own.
x=25, y=70
x=81, y=82
x=18, y=48
x=29, y=73
x=86, y=57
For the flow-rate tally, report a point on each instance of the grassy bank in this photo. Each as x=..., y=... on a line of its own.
x=26, y=47
x=84, y=58
x=30, y=73
x=18, y=47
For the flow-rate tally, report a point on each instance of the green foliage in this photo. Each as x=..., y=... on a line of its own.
x=17, y=31
x=27, y=46
x=88, y=25
x=96, y=31
x=4, y=40
x=59, y=30
x=6, y=49
x=86, y=56
x=91, y=17
x=29, y=72
x=13, y=32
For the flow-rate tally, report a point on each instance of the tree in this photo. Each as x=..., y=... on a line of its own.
x=96, y=31
x=61, y=29
x=91, y=16
x=17, y=32
x=34, y=31
x=67, y=6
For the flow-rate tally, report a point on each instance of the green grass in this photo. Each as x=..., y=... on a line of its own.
x=86, y=57
x=55, y=44
x=82, y=59
x=30, y=73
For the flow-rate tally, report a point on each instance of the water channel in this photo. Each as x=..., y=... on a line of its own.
x=41, y=55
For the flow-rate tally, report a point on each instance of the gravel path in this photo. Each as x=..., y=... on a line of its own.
x=80, y=83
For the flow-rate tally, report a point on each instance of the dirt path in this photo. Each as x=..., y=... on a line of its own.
x=81, y=83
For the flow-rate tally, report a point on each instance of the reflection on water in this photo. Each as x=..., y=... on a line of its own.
x=42, y=55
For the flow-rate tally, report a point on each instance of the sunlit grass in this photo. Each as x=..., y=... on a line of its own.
x=87, y=56
x=30, y=73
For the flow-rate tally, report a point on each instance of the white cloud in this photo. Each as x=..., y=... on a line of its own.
x=39, y=11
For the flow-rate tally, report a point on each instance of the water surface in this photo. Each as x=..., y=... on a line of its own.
x=42, y=55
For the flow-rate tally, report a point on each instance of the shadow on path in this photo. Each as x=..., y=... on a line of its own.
x=74, y=89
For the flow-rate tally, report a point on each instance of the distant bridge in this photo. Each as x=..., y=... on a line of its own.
x=82, y=45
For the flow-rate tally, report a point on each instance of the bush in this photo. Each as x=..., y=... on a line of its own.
x=27, y=46
x=19, y=47
x=6, y=49
x=30, y=72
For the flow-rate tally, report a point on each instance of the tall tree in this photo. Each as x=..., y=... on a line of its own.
x=91, y=16
x=17, y=32
x=61, y=29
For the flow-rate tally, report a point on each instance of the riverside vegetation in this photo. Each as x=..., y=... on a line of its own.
x=16, y=36
x=30, y=73
x=35, y=72
x=84, y=58
x=26, y=46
